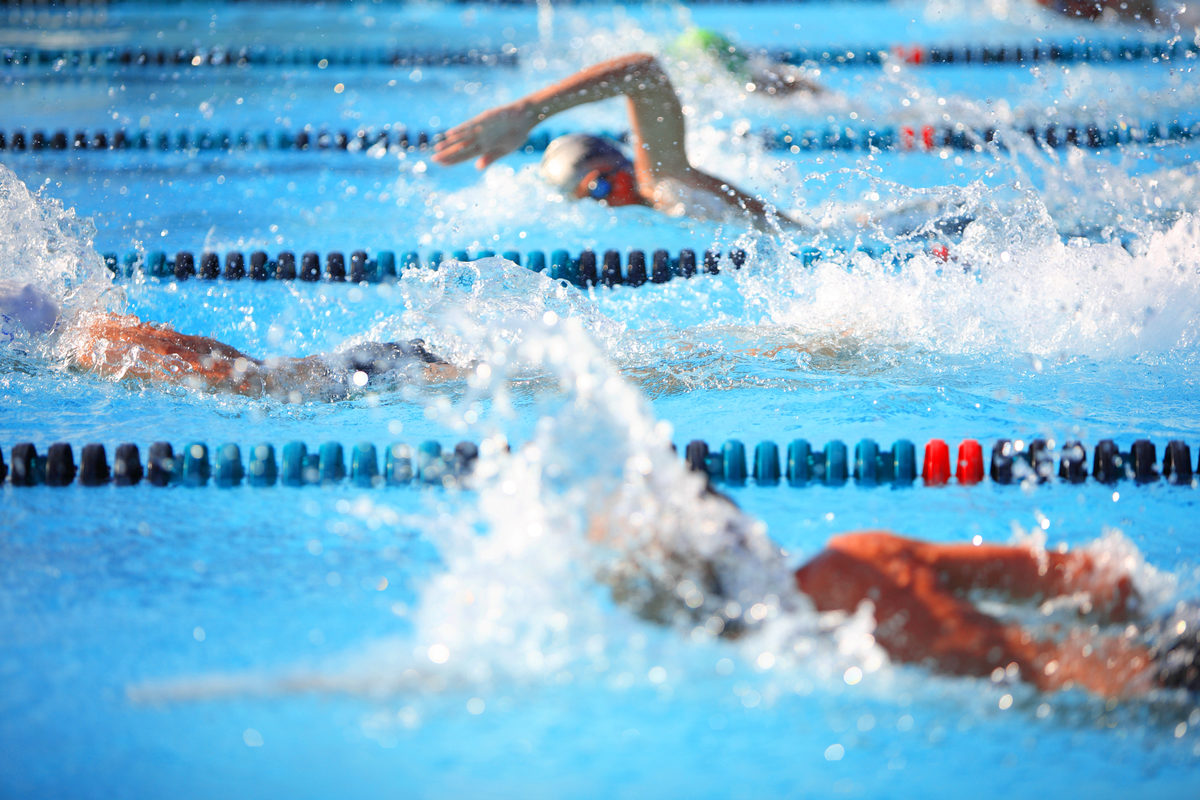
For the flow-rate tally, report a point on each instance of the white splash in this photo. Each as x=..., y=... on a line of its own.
x=1011, y=286
x=48, y=247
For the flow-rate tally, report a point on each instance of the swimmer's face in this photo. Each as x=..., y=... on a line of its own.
x=610, y=183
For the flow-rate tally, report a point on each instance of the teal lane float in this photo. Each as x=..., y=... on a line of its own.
x=237, y=56
x=796, y=464
x=583, y=269
x=854, y=136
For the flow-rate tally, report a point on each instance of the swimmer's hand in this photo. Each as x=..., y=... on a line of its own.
x=487, y=137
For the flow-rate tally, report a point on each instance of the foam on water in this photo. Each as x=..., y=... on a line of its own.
x=1011, y=286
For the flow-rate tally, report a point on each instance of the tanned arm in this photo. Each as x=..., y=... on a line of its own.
x=124, y=346
x=920, y=616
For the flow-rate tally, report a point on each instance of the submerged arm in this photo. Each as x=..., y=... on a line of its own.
x=124, y=346
x=1021, y=573
x=920, y=618
x=1027, y=574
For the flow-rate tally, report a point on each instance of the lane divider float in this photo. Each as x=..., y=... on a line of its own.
x=70, y=6
x=194, y=465
x=1012, y=461
x=1065, y=52
x=389, y=138
x=589, y=268
x=429, y=464
x=252, y=55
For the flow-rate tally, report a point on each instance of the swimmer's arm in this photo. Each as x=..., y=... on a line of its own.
x=1024, y=573
x=919, y=619
x=656, y=117
x=1017, y=571
x=125, y=346
x=764, y=218
x=654, y=110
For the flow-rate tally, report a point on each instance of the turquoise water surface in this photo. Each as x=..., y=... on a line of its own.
x=342, y=641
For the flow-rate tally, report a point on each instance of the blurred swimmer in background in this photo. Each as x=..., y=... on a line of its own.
x=753, y=71
x=1150, y=12
x=123, y=346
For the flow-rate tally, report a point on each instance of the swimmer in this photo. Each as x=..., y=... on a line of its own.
x=754, y=72
x=1145, y=11
x=711, y=574
x=123, y=346
x=659, y=176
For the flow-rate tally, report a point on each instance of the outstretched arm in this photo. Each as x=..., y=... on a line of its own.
x=654, y=112
x=655, y=115
x=125, y=346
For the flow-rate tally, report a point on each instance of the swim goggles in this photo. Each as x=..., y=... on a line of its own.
x=600, y=188
x=614, y=186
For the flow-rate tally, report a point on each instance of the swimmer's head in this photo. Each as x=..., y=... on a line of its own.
x=28, y=306
x=701, y=42
x=581, y=165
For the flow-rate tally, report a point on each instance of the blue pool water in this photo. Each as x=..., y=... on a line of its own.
x=339, y=641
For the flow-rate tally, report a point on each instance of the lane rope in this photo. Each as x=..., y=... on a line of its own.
x=795, y=139
x=252, y=56
x=588, y=268
x=1012, y=461
x=70, y=5
x=1065, y=52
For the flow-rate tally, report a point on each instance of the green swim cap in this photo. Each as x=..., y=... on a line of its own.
x=705, y=42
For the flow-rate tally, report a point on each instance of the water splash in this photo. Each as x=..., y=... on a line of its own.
x=588, y=524
x=47, y=246
x=1011, y=286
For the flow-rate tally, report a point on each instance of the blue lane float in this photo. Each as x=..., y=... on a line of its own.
x=1012, y=461
x=1090, y=51
x=195, y=465
x=796, y=464
x=251, y=56
x=848, y=137
x=244, y=56
x=584, y=269
x=44, y=7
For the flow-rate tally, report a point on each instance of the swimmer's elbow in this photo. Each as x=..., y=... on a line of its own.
x=647, y=59
x=644, y=65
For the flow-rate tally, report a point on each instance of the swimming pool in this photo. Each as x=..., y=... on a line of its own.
x=338, y=641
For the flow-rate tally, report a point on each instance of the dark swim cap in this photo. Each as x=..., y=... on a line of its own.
x=1175, y=649
x=568, y=159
